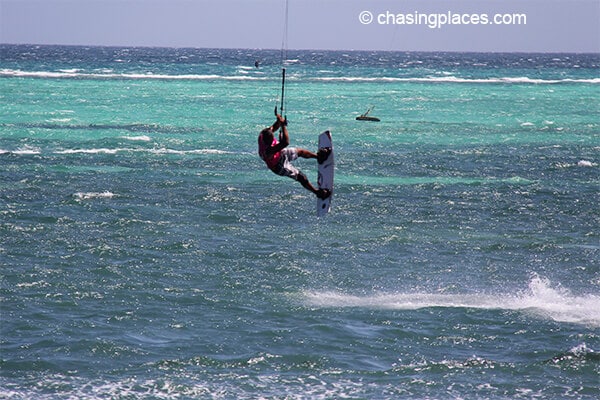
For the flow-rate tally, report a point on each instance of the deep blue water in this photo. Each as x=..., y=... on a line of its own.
x=147, y=252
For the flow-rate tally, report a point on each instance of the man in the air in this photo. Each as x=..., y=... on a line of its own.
x=278, y=156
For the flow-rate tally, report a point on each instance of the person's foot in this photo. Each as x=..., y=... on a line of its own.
x=323, y=154
x=323, y=193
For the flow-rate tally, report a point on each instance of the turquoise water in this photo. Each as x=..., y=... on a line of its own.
x=148, y=253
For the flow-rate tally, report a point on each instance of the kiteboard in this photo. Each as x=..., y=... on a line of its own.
x=325, y=176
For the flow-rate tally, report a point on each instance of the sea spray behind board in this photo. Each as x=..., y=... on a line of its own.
x=540, y=298
x=147, y=252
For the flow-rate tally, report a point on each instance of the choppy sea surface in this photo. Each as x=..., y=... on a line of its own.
x=146, y=251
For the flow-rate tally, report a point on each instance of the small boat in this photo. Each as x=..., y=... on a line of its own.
x=366, y=117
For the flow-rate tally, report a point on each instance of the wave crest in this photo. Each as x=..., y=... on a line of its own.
x=78, y=74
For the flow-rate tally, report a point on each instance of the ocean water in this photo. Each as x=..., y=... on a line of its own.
x=147, y=253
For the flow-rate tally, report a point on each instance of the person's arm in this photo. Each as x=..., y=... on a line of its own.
x=279, y=123
x=284, y=137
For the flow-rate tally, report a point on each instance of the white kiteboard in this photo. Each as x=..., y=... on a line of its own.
x=325, y=177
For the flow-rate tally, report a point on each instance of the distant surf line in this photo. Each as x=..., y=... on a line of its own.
x=454, y=79
x=118, y=76
x=73, y=74
x=105, y=150
x=133, y=127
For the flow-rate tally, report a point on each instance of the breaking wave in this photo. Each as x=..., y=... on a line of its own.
x=454, y=79
x=78, y=74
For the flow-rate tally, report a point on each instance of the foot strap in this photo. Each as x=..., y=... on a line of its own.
x=323, y=154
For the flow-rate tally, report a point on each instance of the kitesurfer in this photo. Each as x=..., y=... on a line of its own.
x=278, y=156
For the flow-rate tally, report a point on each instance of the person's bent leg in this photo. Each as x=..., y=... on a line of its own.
x=321, y=193
x=306, y=183
x=322, y=155
x=306, y=153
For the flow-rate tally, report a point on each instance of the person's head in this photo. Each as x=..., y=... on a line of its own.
x=267, y=135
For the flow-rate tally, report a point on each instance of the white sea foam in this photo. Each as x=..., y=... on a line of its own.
x=60, y=120
x=104, y=150
x=540, y=298
x=586, y=163
x=27, y=150
x=76, y=388
x=454, y=79
x=108, y=74
x=241, y=386
x=90, y=151
x=70, y=71
x=145, y=76
x=141, y=138
x=193, y=151
x=94, y=195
